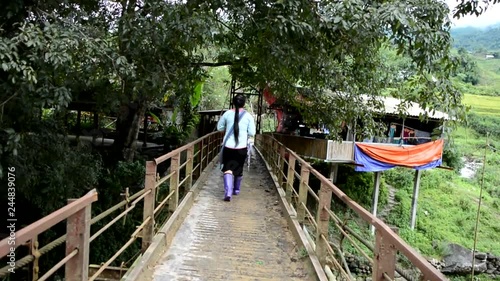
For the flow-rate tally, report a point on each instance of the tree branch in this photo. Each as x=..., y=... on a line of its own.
x=213, y=64
x=232, y=30
x=219, y=63
x=9, y=98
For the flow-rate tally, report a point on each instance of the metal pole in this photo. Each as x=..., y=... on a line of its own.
x=376, y=192
x=416, y=185
x=479, y=207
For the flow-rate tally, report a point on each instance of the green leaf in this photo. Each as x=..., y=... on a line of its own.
x=197, y=94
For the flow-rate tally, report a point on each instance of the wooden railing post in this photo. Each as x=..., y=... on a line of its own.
x=216, y=144
x=304, y=181
x=34, y=252
x=290, y=178
x=268, y=148
x=149, y=205
x=213, y=149
x=78, y=237
x=323, y=220
x=261, y=144
x=174, y=183
x=208, y=145
x=189, y=167
x=202, y=148
x=275, y=158
x=384, y=260
x=281, y=165
x=271, y=153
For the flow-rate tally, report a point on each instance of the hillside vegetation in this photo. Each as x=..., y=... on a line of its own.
x=474, y=39
x=448, y=201
x=480, y=48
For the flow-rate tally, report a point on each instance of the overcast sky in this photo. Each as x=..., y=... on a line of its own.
x=491, y=16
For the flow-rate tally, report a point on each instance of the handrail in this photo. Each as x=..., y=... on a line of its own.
x=387, y=241
x=47, y=248
x=29, y=232
x=207, y=148
x=77, y=213
x=146, y=230
x=169, y=155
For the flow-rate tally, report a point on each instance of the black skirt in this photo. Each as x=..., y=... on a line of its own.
x=234, y=160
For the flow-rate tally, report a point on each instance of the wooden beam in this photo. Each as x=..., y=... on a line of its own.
x=303, y=191
x=149, y=205
x=416, y=186
x=281, y=166
x=78, y=237
x=173, y=202
x=189, y=167
x=323, y=222
x=384, y=258
x=290, y=178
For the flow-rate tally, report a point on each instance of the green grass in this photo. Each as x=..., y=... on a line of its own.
x=483, y=105
x=448, y=203
x=489, y=71
x=447, y=208
x=489, y=78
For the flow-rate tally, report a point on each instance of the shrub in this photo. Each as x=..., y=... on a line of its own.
x=484, y=124
x=452, y=157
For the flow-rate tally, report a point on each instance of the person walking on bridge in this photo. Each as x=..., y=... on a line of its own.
x=239, y=127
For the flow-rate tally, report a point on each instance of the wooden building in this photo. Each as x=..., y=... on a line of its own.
x=312, y=143
x=407, y=142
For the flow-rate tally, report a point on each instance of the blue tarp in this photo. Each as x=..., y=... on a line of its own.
x=372, y=165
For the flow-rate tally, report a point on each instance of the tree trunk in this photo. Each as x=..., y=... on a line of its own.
x=127, y=129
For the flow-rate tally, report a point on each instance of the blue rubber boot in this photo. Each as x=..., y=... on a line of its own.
x=228, y=186
x=237, y=185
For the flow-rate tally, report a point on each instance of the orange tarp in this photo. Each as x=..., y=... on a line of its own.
x=409, y=156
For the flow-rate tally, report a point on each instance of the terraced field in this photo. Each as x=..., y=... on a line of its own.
x=483, y=105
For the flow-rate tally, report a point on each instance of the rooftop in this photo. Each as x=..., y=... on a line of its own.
x=392, y=106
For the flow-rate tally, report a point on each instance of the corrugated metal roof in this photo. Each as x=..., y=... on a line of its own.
x=414, y=109
x=391, y=105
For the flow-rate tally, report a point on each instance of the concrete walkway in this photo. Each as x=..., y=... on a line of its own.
x=245, y=239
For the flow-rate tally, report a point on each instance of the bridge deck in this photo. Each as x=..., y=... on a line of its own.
x=245, y=239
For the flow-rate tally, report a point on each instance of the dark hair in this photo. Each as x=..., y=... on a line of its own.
x=239, y=102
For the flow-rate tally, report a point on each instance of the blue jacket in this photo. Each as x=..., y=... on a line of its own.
x=246, y=128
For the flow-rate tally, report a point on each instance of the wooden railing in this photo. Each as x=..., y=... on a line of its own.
x=196, y=157
x=316, y=216
x=308, y=147
x=77, y=215
x=204, y=150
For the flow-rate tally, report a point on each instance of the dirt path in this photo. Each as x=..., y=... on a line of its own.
x=391, y=202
